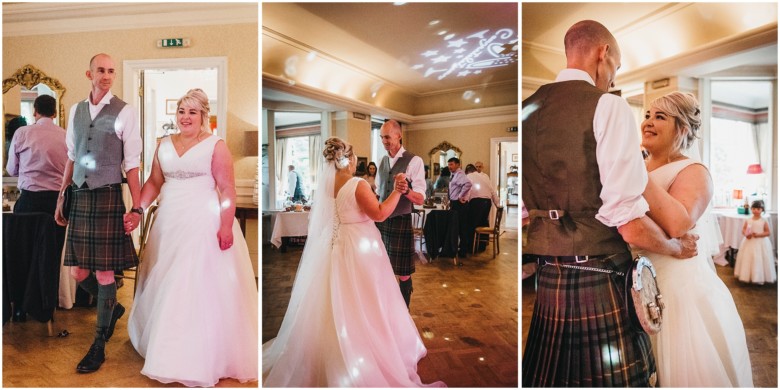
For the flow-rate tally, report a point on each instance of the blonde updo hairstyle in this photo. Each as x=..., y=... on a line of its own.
x=197, y=99
x=684, y=108
x=337, y=151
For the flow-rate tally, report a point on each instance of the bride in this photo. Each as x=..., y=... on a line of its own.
x=702, y=340
x=346, y=325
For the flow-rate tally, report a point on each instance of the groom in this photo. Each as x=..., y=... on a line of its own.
x=583, y=179
x=396, y=230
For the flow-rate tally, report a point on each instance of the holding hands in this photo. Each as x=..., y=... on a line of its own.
x=132, y=220
x=401, y=185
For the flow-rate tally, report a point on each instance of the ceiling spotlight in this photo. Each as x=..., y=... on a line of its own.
x=442, y=32
x=449, y=36
x=399, y=3
x=434, y=22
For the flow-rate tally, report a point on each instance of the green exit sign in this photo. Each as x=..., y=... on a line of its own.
x=173, y=42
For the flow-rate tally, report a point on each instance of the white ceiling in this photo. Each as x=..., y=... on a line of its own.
x=658, y=40
x=400, y=45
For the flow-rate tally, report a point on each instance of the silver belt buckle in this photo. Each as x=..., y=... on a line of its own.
x=554, y=214
x=584, y=259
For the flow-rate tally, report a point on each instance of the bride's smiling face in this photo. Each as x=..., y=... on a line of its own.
x=659, y=130
x=189, y=119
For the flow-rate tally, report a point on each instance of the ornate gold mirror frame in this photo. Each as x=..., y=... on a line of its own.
x=29, y=76
x=434, y=156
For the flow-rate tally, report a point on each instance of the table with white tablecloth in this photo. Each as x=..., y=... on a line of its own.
x=289, y=224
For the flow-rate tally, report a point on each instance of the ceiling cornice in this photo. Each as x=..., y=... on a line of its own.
x=23, y=19
x=751, y=39
x=419, y=122
x=317, y=95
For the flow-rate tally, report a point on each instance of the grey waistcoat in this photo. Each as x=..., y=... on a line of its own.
x=386, y=182
x=98, y=151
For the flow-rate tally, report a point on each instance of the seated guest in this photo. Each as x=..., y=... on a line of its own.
x=460, y=186
x=370, y=175
x=428, y=183
x=480, y=197
x=442, y=182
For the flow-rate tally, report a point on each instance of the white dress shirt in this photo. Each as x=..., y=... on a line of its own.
x=621, y=168
x=415, y=171
x=292, y=180
x=481, y=187
x=127, y=129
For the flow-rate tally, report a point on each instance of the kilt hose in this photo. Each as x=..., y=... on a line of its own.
x=96, y=235
x=581, y=334
x=399, y=242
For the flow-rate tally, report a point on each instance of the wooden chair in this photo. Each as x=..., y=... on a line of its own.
x=151, y=215
x=493, y=233
x=418, y=223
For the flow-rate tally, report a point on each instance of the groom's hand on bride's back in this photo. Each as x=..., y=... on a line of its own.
x=687, y=246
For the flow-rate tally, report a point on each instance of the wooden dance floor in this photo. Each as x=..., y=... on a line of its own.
x=467, y=316
x=757, y=305
x=33, y=359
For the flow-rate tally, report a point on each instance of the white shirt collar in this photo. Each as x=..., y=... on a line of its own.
x=574, y=74
x=105, y=100
x=398, y=154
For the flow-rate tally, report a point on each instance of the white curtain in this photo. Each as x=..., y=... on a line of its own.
x=763, y=144
x=281, y=165
x=315, y=158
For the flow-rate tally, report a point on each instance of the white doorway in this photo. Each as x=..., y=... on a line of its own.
x=154, y=87
x=504, y=173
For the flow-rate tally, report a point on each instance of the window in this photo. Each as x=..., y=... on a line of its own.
x=296, y=153
x=377, y=149
x=732, y=151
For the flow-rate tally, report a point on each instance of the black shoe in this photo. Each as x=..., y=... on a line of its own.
x=93, y=360
x=406, y=291
x=118, y=312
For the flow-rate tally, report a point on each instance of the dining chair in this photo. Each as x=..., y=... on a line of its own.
x=493, y=233
x=151, y=216
x=418, y=224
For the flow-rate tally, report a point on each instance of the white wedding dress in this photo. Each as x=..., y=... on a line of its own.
x=702, y=340
x=194, y=316
x=346, y=324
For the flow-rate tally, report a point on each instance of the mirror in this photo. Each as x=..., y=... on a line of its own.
x=438, y=157
x=19, y=93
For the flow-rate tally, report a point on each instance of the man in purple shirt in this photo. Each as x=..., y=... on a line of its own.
x=37, y=155
x=460, y=185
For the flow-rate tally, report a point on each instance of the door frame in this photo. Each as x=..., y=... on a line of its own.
x=131, y=80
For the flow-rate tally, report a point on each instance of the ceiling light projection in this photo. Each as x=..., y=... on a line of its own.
x=470, y=55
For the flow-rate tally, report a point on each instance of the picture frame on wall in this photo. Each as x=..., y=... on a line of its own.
x=436, y=169
x=362, y=166
x=514, y=157
x=170, y=106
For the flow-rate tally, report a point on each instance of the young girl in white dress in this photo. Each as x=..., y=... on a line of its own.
x=755, y=260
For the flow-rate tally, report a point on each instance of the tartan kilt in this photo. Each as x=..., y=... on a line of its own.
x=399, y=242
x=96, y=235
x=581, y=334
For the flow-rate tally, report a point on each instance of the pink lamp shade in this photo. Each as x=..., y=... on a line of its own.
x=754, y=169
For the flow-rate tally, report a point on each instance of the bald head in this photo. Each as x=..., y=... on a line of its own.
x=97, y=57
x=592, y=48
x=391, y=136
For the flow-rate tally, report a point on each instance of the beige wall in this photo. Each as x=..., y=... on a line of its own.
x=473, y=140
x=66, y=58
x=355, y=131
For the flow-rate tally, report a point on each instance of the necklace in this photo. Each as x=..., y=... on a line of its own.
x=185, y=147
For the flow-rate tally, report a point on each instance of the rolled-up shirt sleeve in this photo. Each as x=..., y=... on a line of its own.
x=129, y=131
x=621, y=168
